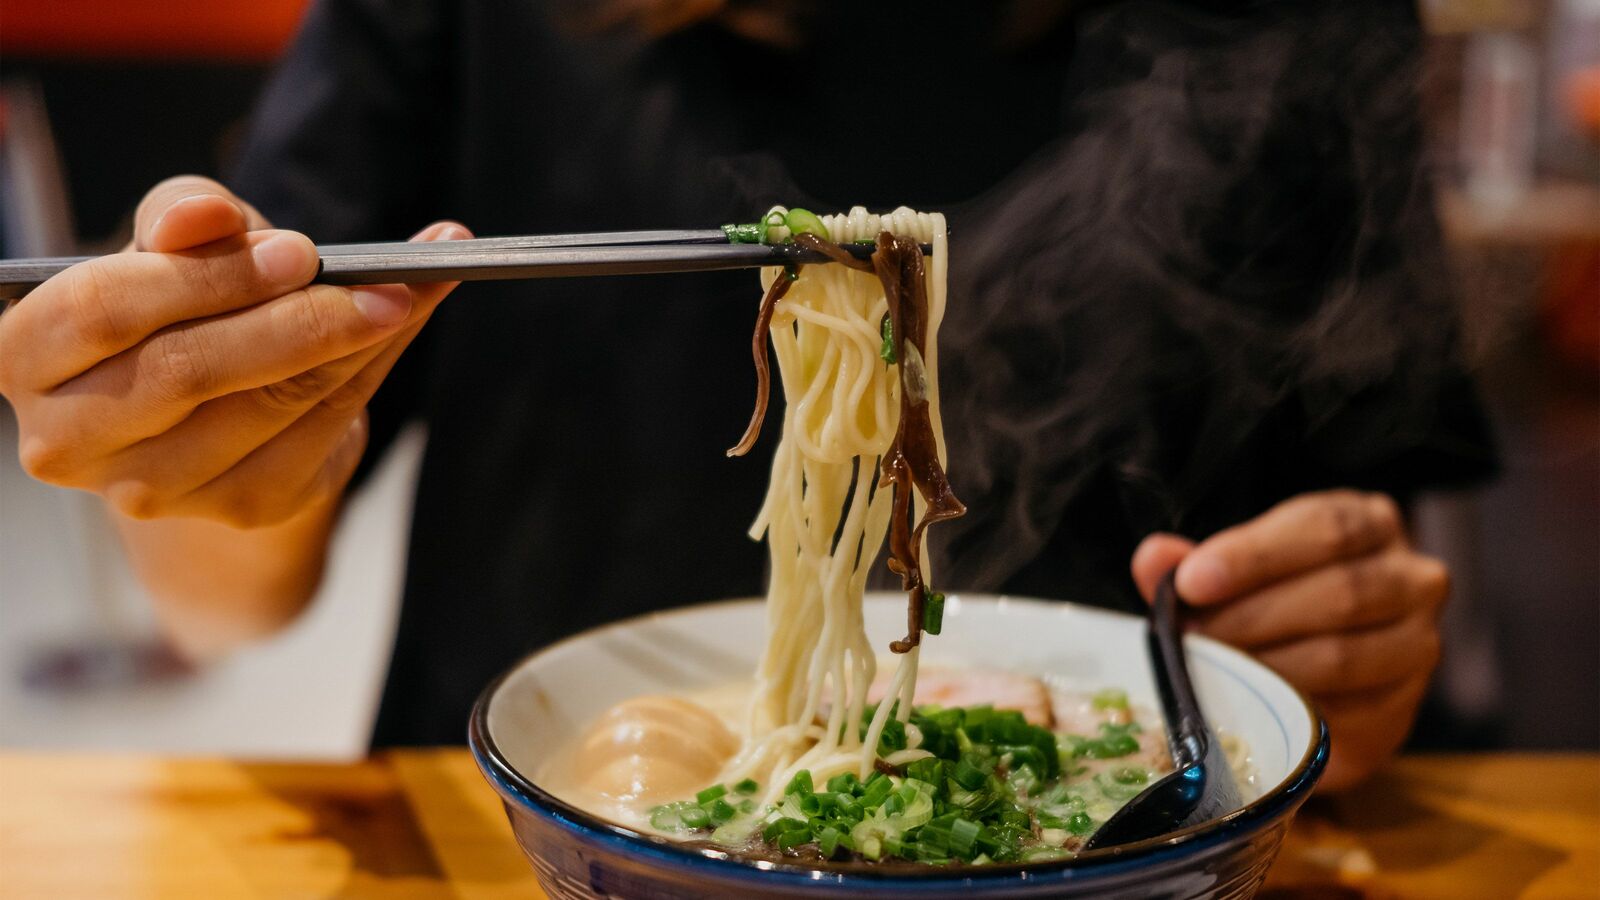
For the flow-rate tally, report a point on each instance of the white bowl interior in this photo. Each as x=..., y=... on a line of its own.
x=552, y=695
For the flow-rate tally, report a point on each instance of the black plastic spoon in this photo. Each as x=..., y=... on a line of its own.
x=1200, y=786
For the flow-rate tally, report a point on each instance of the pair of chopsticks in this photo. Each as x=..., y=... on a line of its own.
x=502, y=258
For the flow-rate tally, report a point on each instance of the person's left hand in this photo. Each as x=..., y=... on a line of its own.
x=1325, y=589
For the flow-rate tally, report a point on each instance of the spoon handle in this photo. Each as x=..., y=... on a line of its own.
x=1186, y=728
x=1190, y=741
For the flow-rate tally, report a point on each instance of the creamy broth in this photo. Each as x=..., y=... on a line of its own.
x=649, y=752
x=641, y=752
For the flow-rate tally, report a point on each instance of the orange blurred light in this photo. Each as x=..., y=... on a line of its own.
x=1582, y=91
x=251, y=31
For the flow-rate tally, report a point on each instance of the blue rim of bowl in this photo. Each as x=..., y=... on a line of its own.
x=1285, y=796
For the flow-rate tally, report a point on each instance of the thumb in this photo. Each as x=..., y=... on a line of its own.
x=188, y=211
x=1157, y=555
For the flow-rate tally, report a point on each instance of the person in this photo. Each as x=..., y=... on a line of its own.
x=1195, y=324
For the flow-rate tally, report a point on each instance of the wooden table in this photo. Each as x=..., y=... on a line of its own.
x=423, y=824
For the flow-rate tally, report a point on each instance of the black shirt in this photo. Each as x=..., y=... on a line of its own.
x=1194, y=273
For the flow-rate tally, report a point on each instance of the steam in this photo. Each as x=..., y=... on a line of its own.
x=1228, y=274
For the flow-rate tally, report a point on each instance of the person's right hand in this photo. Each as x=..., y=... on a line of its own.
x=200, y=373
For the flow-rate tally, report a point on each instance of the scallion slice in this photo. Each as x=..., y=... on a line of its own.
x=804, y=221
x=933, y=612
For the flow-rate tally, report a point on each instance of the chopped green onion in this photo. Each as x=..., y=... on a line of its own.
x=681, y=816
x=780, y=826
x=1116, y=740
x=933, y=612
x=989, y=788
x=1051, y=820
x=804, y=221
x=1130, y=775
x=1111, y=698
x=747, y=233
x=1116, y=789
x=719, y=810
x=928, y=770
x=800, y=783
x=914, y=811
x=886, y=328
x=893, y=737
x=1113, y=747
x=875, y=794
x=1023, y=780
x=828, y=842
x=963, y=834
x=1024, y=755
x=872, y=835
x=790, y=839
x=969, y=776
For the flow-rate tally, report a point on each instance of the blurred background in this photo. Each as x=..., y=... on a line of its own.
x=99, y=99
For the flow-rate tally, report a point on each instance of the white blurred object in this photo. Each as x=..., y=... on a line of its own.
x=309, y=693
x=1499, y=107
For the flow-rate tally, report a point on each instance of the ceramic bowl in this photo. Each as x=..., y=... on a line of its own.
x=548, y=698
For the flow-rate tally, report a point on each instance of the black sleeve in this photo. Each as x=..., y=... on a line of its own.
x=1384, y=391
x=1234, y=291
x=347, y=144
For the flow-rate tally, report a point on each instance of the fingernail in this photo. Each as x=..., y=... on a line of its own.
x=447, y=231
x=190, y=200
x=196, y=230
x=1202, y=577
x=384, y=305
x=155, y=227
x=1382, y=509
x=285, y=259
